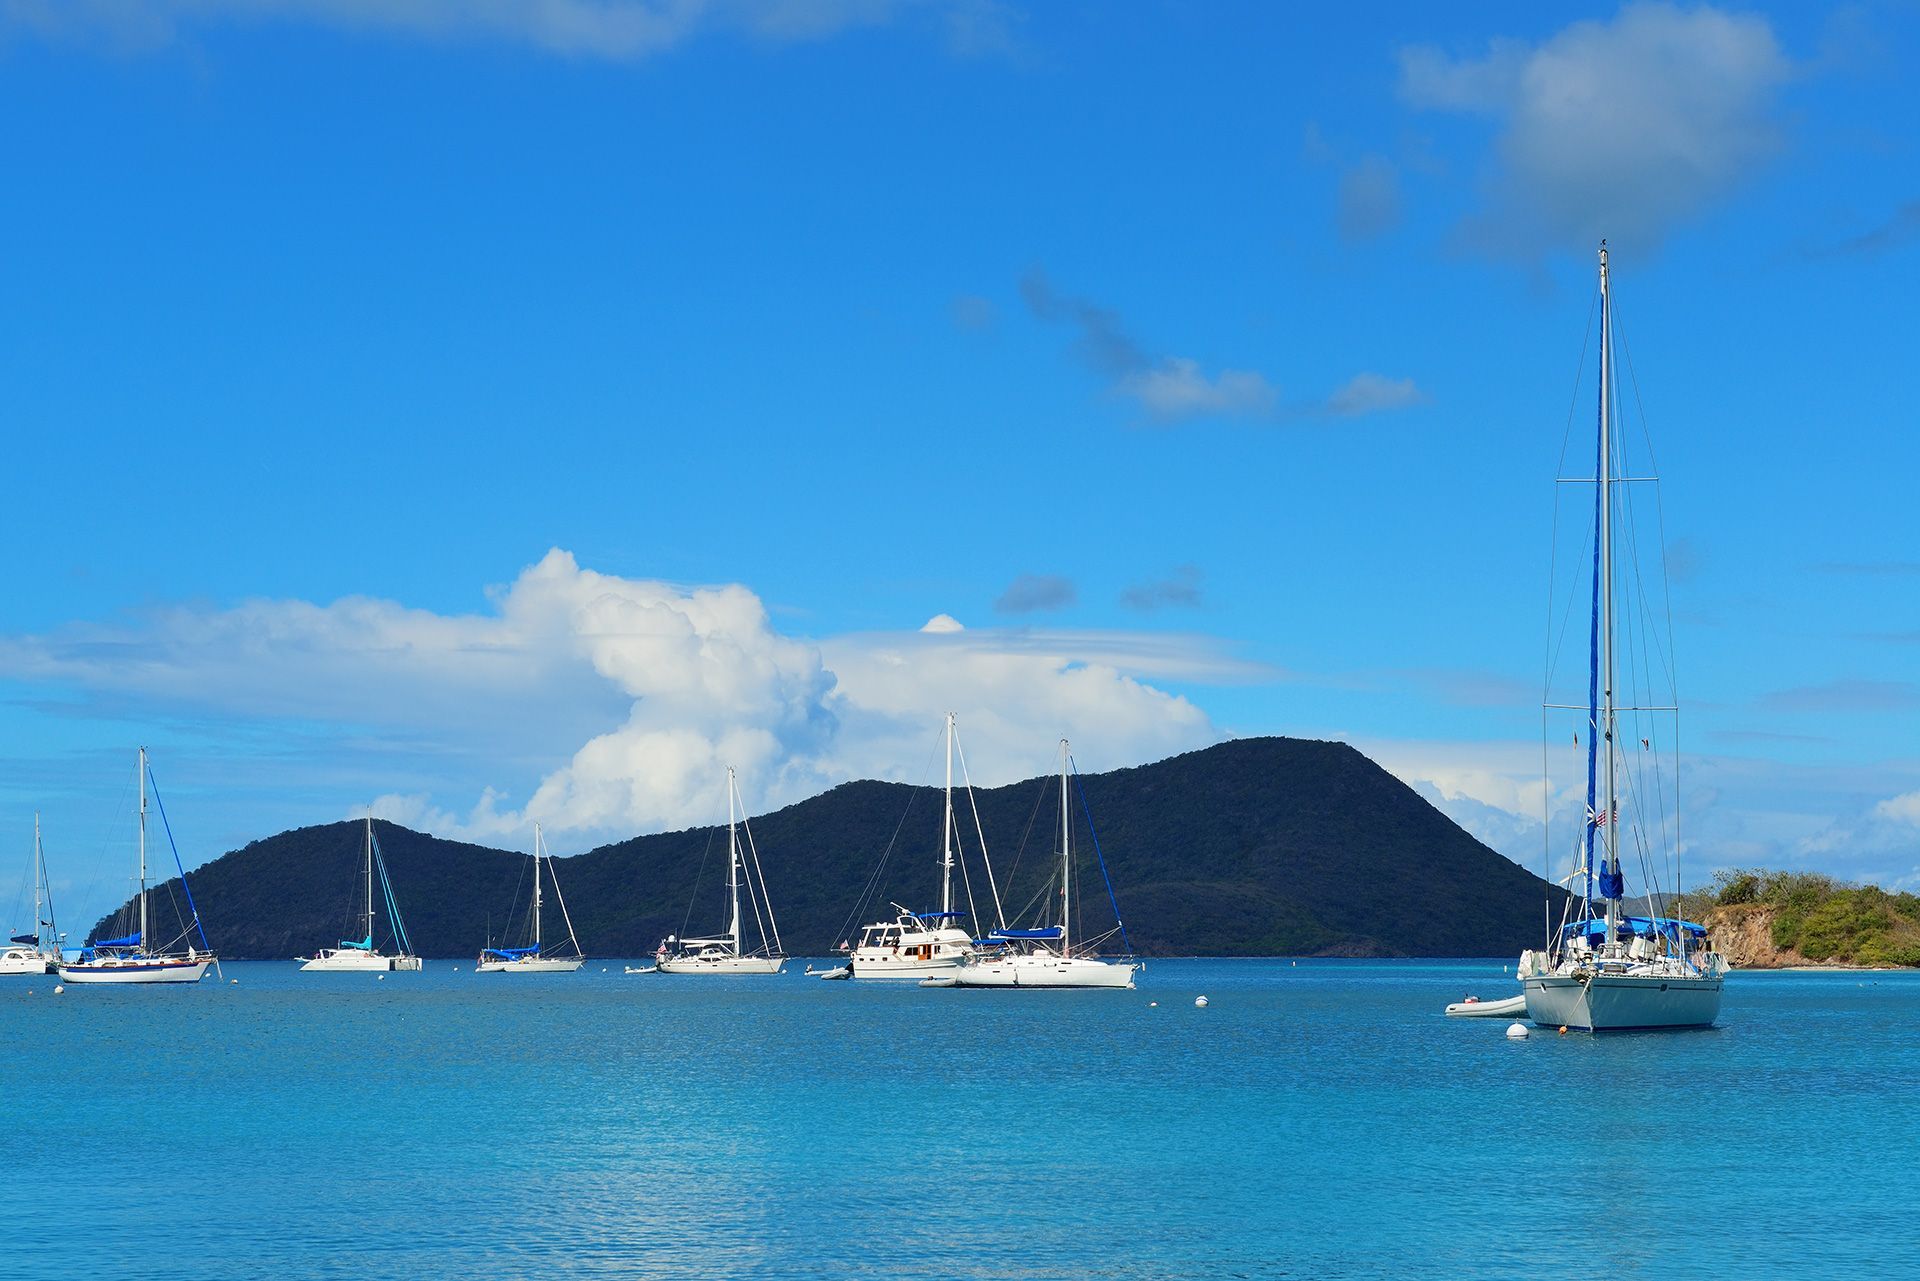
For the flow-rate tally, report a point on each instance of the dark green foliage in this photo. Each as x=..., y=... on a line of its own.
x=1824, y=919
x=1267, y=846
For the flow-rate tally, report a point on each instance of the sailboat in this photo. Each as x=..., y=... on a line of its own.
x=1045, y=956
x=723, y=955
x=362, y=955
x=132, y=958
x=1604, y=969
x=38, y=952
x=536, y=958
x=919, y=945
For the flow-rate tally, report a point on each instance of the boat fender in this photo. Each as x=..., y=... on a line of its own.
x=1517, y=1032
x=1200, y=1001
x=1563, y=1029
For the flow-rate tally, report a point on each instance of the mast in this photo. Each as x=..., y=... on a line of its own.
x=1066, y=858
x=1610, y=825
x=142, y=781
x=39, y=876
x=733, y=867
x=946, y=832
x=536, y=889
x=369, y=877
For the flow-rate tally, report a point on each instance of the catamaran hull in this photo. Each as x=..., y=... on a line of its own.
x=1621, y=1002
x=135, y=972
x=721, y=965
x=539, y=965
x=360, y=964
x=1047, y=972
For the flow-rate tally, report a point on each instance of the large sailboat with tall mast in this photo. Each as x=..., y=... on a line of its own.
x=919, y=945
x=132, y=957
x=1604, y=969
x=727, y=953
x=537, y=956
x=1044, y=955
x=36, y=951
x=362, y=955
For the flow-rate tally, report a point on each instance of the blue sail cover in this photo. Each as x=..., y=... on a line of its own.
x=131, y=940
x=24, y=938
x=1051, y=932
x=938, y=916
x=1638, y=926
x=364, y=946
x=509, y=953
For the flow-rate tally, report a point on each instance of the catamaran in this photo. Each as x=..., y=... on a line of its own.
x=537, y=957
x=361, y=954
x=1044, y=955
x=38, y=952
x=724, y=954
x=131, y=958
x=1604, y=969
x=919, y=945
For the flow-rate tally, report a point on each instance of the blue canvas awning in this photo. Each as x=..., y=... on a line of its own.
x=938, y=916
x=1638, y=926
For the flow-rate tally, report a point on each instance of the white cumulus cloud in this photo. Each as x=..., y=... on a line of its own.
x=614, y=703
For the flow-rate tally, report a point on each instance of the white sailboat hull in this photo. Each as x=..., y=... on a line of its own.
x=151, y=969
x=1044, y=972
x=26, y=960
x=888, y=965
x=1618, y=1002
x=532, y=965
x=358, y=962
x=721, y=964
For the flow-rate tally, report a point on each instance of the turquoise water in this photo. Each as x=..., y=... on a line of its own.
x=1316, y=1120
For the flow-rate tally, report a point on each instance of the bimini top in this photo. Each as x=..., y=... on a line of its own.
x=365, y=945
x=131, y=940
x=510, y=953
x=1051, y=932
x=1640, y=926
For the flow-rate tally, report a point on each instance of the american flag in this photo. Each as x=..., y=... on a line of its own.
x=1596, y=818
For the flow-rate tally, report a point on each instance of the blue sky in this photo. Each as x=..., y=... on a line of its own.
x=1209, y=366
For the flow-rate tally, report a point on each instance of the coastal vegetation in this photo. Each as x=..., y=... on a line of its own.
x=1255, y=847
x=1814, y=918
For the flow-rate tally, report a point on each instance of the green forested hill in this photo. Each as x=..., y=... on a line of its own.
x=1266, y=846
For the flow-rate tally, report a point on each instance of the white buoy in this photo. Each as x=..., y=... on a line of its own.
x=1200, y=1001
x=1153, y=1005
x=58, y=988
x=1517, y=1032
x=233, y=980
x=383, y=978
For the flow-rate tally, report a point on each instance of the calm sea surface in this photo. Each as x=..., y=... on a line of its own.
x=1318, y=1119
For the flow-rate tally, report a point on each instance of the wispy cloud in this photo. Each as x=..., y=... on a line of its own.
x=610, y=30
x=1846, y=696
x=1368, y=393
x=1625, y=128
x=1032, y=593
x=1171, y=389
x=970, y=311
x=1370, y=204
x=1900, y=228
x=1179, y=590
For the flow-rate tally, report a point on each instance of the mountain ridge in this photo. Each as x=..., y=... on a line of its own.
x=1260, y=846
